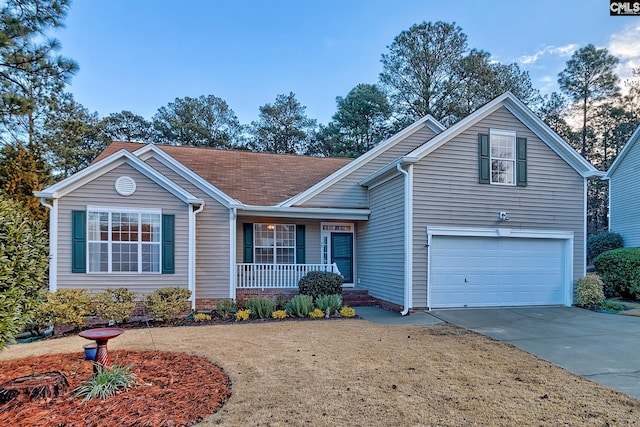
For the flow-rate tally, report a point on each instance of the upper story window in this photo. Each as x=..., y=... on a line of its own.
x=123, y=240
x=502, y=158
x=274, y=243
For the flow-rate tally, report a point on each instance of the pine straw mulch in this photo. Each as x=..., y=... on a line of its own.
x=174, y=389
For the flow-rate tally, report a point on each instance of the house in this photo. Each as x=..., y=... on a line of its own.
x=489, y=212
x=624, y=192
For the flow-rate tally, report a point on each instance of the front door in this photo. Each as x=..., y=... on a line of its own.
x=342, y=254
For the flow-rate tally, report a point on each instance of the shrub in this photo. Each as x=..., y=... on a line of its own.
x=167, y=304
x=225, y=307
x=201, y=317
x=243, y=315
x=66, y=306
x=115, y=304
x=107, y=382
x=299, y=306
x=261, y=307
x=317, y=283
x=347, y=312
x=24, y=264
x=619, y=270
x=281, y=300
x=279, y=314
x=329, y=304
x=601, y=243
x=316, y=313
x=589, y=292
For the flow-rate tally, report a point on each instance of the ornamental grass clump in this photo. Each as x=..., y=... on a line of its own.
x=329, y=304
x=225, y=308
x=261, y=307
x=107, y=382
x=589, y=292
x=299, y=306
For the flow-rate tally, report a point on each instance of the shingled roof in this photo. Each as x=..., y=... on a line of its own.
x=262, y=179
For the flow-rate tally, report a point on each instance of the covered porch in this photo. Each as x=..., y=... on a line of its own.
x=276, y=276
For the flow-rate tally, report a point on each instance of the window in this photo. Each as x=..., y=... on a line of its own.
x=123, y=240
x=503, y=157
x=274, y=243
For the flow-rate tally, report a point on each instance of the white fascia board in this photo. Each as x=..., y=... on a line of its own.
x=348, y=168
x=499, y=232
x=627, y=148
x=306, y=213
x=211, y=190
x=434, y=125
x=390, y=169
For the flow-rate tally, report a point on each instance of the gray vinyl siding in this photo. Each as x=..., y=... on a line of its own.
x=447, y=193
x=380, y=243
x=346, y=193
x=212, y=240
x=312, y=235
x=101, y=192
x=624, y=200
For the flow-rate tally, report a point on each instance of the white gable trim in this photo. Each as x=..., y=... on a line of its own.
x=427, y=121
x=627, y=148
x=526, y=116
x=306, y=213
x=109, y=163
x=151, y=150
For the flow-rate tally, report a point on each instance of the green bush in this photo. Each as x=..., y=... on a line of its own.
x=24, y=264
x=66, y=306
x=601, y=243
x=167, y=304
x=281, y=300
x=329, y=304
x=619, y=270
x=299, y=306
x=261, y=307
x=318, y=283
x=115, y=304
x=225, y=308
x=589, y=292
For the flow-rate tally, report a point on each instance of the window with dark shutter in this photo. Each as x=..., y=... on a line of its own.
x=78, y=242
x=521, y=162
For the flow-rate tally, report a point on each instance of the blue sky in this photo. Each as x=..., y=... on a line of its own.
x=140, y=55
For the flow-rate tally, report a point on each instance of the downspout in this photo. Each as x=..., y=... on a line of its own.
x=233, y=275
x=408, y=237
x=53, y=242
x=192, y=253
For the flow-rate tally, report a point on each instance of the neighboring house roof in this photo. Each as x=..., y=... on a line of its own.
x=262, y=179
x=108, y=163
x=625, y=151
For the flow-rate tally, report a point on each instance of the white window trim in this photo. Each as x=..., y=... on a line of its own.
x=110, y=210
x=508, y=133
x=274, y=246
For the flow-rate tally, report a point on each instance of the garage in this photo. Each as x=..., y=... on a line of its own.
x=499, y=267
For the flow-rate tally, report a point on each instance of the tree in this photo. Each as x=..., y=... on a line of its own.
x=126, y=126
x=553, y=111
x=23, y=268
x=206, y=121
x=282, y=127
x=589, y=77
x=72, y=137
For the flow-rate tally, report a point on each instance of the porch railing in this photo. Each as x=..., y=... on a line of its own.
x=270, y=276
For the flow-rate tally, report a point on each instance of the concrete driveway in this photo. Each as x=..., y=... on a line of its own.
x=604, y=348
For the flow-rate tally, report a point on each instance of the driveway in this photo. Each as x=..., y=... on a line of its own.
x=604, y=348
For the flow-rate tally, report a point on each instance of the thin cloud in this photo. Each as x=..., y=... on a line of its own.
x=566, y=50
x=625, y=45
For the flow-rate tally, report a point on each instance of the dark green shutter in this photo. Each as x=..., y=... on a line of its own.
x=247, y=251
x=300, y=244
x=521, y=162
x=168, y=244
x=484, y=163
x=78, y=242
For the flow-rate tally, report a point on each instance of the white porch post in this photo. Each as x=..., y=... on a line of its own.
x=191, y=280
x=233, y=275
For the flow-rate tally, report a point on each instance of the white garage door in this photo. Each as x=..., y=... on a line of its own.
x=496, y=271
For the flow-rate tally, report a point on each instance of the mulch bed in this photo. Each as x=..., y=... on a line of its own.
x=176, y=390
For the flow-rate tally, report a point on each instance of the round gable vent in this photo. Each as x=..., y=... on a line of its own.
x=125, y=186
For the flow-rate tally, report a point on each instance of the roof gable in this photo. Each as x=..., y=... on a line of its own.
x=628, y=147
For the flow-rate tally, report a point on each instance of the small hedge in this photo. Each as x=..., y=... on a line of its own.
x=619, y=269
x=601, y=243
x=318, y=283
x=167, y=304
x=589, y=292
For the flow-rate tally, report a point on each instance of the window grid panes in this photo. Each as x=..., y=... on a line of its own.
x=124, y=242
x=503, y=157
x=274, y=243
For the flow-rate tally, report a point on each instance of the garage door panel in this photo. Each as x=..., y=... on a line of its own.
x=496, y=271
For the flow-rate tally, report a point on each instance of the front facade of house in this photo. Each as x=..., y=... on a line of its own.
x=490, y=212
x=624, y=192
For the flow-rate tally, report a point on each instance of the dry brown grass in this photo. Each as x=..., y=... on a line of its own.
x=356, y=373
